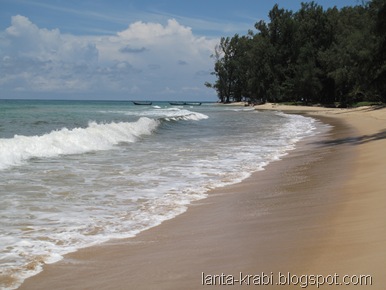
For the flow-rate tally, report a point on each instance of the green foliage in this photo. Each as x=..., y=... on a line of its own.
x=310, y=56
x=362, y=104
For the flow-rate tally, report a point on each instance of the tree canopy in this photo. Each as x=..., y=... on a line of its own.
x=310, y=56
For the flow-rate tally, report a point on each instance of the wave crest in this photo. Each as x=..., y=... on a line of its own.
x=95, y=137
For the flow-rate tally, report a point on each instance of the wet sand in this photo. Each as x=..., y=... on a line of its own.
x=318, y=211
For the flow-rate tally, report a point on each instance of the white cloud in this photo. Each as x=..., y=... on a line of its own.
x=41, y=60
x=151, y=32
x=25, y=39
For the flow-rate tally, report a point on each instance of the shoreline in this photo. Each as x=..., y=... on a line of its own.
x=299, y=215
x=355, y=245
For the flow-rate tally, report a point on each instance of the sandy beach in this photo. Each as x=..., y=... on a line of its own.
x=320, y=212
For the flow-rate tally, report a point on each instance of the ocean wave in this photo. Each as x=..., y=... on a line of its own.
x=168, y=114
x=95, y=137
x=176, y=114
x=90, y=199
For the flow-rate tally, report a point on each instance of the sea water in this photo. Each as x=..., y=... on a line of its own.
x=77, y=173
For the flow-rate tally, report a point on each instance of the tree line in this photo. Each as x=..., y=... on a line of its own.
x=333, y=56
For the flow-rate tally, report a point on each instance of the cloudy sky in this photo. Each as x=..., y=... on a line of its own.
x=120, y=49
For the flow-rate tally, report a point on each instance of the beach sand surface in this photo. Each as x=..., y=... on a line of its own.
x=319, y=211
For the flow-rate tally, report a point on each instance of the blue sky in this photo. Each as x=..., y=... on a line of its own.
x=120, y=49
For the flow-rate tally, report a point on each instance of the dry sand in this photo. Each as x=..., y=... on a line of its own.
x=321, y=211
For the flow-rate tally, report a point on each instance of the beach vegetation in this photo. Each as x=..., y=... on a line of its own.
x=310, y=56
x=367, y=104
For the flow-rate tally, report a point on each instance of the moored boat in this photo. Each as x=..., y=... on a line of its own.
x=193, y=104
x=177, y=103
x=185, y=103
x=143, y=103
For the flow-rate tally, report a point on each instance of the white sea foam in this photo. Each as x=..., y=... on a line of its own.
x=49, y=209
x=174, y=113
x=95, y=137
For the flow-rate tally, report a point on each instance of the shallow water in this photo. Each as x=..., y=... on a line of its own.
x=77, y=173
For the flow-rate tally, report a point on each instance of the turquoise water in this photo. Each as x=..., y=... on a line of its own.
x=77, y=173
